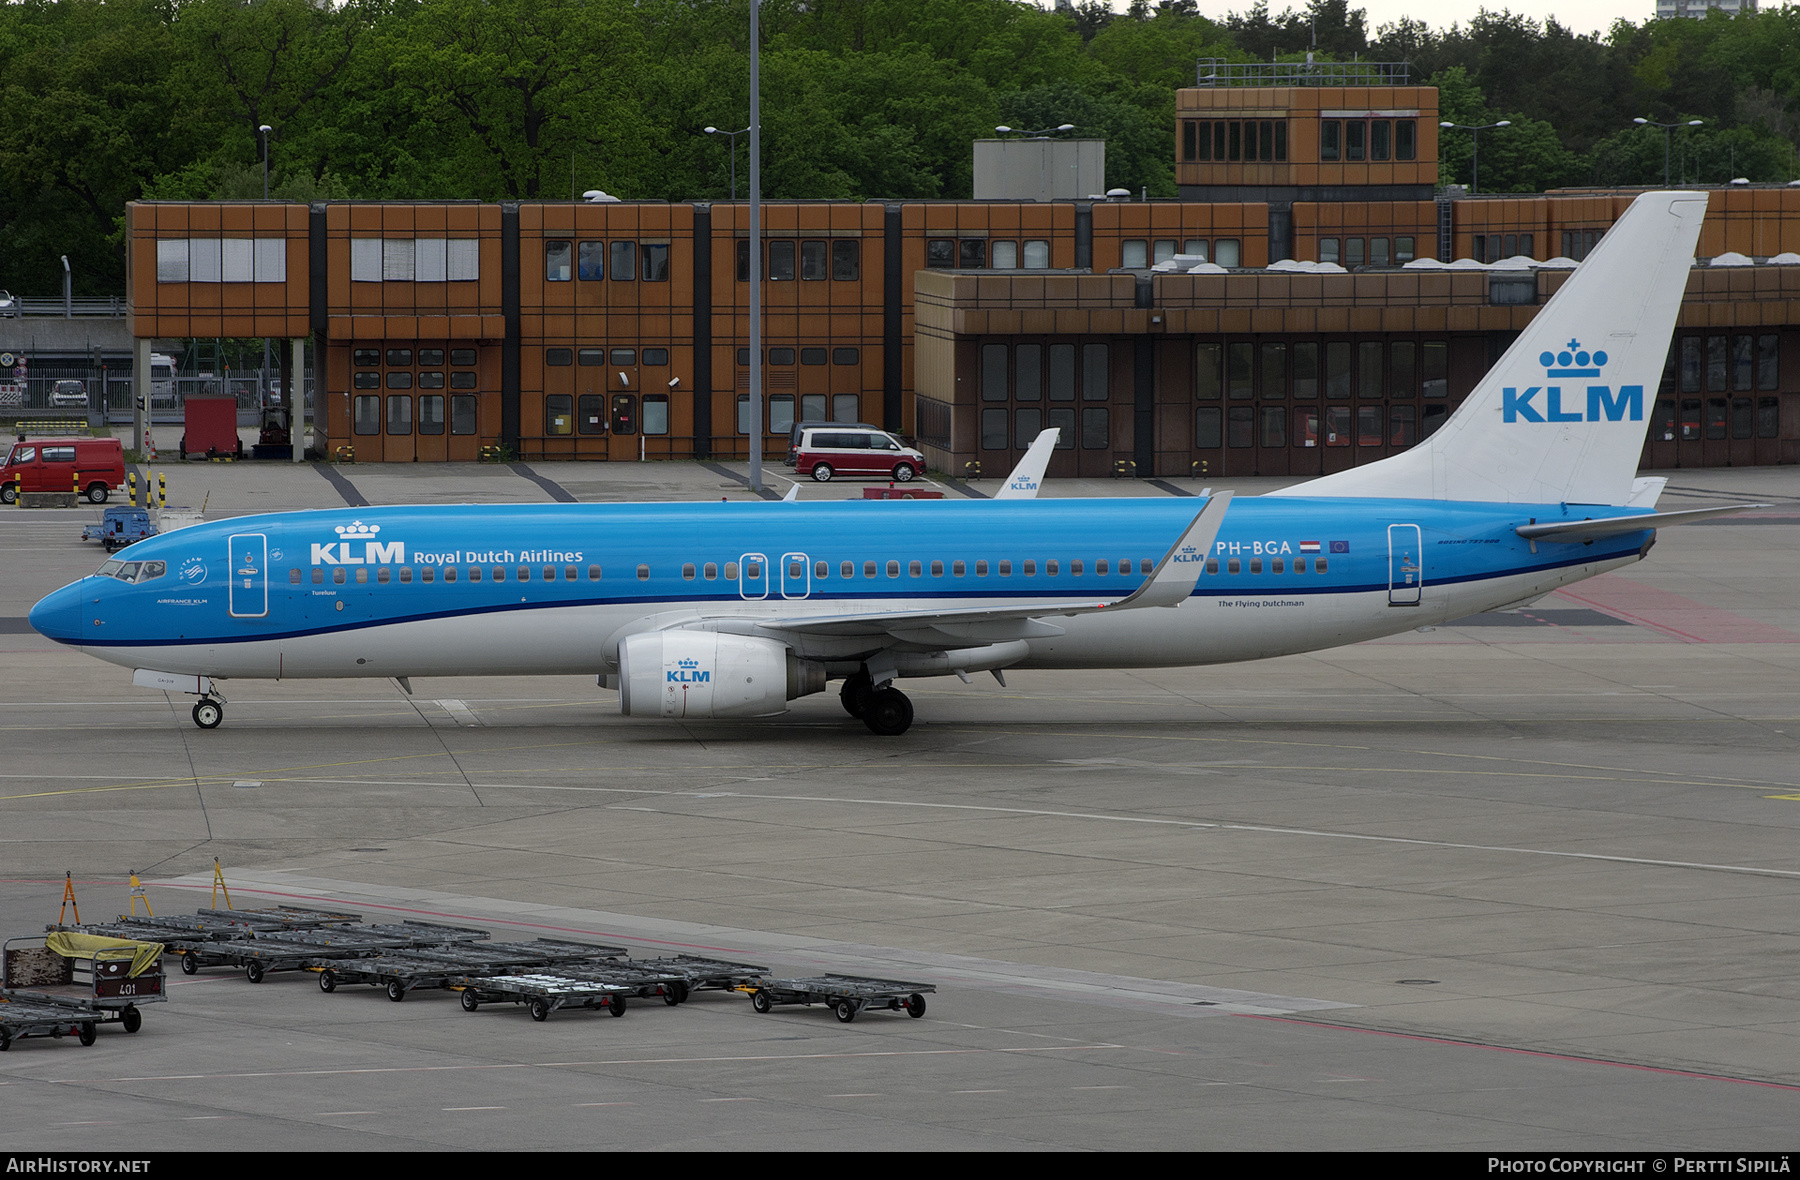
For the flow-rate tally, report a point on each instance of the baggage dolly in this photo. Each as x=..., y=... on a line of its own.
x=702, y=974
x=543, y=992
x=299, y=950
x=96, y=985
x=20, y=1019
x=846, y=995
x=409, y=968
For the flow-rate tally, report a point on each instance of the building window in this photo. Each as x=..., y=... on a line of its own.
x=1134, y=254
x=590, y=357
x=1400, y=369
x=559, y=414
x=366, y=381
x=1328, y=249
x=1406, y=139
x=971, y=253
x=591, y=262
x=940, y=253
x=624, y=261
x=781, y=262
x=628, y=356
x=1190, y=131
x=993, y=430
x=1095, y=371
x=656, y=357
x=1273, y=432
x=591, y=415
x=1004, y=255
x=1379, y=139
x=399, y=380
x=845, y=356
x=399, y=414
x=656, y=413
x=462, y=413
x=1028, y=372
x=1368, y=370
x=557, y=260
x=1330, y=139
x=431, y=413
x=1355, y=136
x=1306, y=369
x=1402, y=426
x=1768, y=364
x=1353, y=251
x=993, y=372
x=1239, y=421
x=1062, y=372
x=557, y=356
x=1240, y=359
x=1225, y=252
x=463, y=380
x=1403, y=250
x=1378, y=251
x=812, y=356
x=1434, y=369
x=812, y=262
x=1337, y=368
x=367, y=417
x=656, y=262
x=846, y=260
x=1037, y=254
x=1337, y=426
x=1094, y=428
x=1208, y=361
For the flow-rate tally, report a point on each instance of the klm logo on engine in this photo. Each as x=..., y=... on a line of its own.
x=1603, y=405
x=687, y=672
x=360, y=537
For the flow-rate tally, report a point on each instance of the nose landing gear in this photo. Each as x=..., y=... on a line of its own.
x=209, y=712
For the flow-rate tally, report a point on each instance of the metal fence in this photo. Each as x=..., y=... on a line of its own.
x=109, y=393
x=1216, y=71
x=33, y=305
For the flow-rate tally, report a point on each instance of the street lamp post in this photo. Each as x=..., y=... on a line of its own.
x=1475, y=144
x=1666, y=129
x=756, y=248
x=731, y=135
x=263, y=131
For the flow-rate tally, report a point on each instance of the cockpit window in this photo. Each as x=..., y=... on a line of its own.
x=133, y=571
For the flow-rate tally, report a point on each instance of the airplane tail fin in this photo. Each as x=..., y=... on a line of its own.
x=1026, y=478
x=1561, y=417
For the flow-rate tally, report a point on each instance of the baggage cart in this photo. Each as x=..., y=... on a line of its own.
x=702, y=974
x=410, y=968
x=105, y=980
x=20, y=1019
x=845, y=995
x=543, y=992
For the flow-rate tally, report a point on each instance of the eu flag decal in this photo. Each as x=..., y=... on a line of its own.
x=1340, y=546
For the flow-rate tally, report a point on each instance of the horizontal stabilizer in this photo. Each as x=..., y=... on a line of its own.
x=1580, y=532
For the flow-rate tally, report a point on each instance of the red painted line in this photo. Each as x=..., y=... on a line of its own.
x=1570, y=1057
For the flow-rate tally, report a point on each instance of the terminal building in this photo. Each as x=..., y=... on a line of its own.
x=1310, y=302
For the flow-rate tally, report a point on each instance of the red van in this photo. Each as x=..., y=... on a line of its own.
x=53, y=465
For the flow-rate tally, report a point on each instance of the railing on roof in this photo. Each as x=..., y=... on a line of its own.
x=53, y=307
x=1216, y=71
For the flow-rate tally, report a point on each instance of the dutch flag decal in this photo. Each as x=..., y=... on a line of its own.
x=1309, y=546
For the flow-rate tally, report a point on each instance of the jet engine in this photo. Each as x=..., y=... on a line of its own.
x=704, y=674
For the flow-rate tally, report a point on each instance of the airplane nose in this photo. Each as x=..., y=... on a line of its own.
x=58, y=615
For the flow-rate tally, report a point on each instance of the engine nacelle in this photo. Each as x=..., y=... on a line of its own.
x=704, y=674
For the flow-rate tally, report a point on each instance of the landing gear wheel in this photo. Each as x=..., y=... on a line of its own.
x=396, y=990
x=131, y=1018
x=888, y=713
x=88, y=1033
x=189, y=964
x=822, y=472
x=96, y=493
x=208, y=713
x=616, y=1005
x=846, y=1011
x=903, y=472
x=915, y=1005
x=540, y=1010
x=327, y=981
x=470, y=1001
x=760, y=1001
x=855, y=694
x=253, y=971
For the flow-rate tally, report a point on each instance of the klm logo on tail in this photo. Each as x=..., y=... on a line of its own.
x=1603, y=405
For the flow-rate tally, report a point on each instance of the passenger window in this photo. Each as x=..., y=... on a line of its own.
x=981, y=569
x=752, y=569
x=362, y=577
x=427, y=575
x=893, y=569
x=549, y=573
x=524, y=573
x=474, y=573
x=915, y=569
x=868, y=569
x=1051, y=568
x=1101, y=566
x=383, y=575
x=569, y=573
x=731, y=571
x=1146, y=566
x=687, y=572
x=593, y=573
x=957, y=569
x=821, y=569
x=337, y=577
x=1277, y=565
x=1212, y=565
x=1075, y=568
x=937, y=569
x=1234, y=566
x=644, y=573
x=1030, y=569
x=1006, y=569
x=711, y=572
x=499, y=573
x=847, y=570
x=449, y=574
x=294, y=577
x=1256, y=565
x=1299, y=565
x=406, y=575
x=1318, y=565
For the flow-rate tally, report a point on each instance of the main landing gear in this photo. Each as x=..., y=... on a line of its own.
x=209, y=712
x=886, y=711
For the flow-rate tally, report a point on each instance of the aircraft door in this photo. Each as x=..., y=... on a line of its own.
x=753, y=576
x=249, y=564
x=796, y=575
x=1406, y=570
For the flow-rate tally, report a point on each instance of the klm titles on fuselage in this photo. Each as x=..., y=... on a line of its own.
x=394, y=553
x=1603, y=405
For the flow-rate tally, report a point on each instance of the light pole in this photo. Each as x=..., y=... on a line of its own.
x=1475, y=142
x=731, y=135
x=263, y=131
x=1667, y=128
x=756, y=292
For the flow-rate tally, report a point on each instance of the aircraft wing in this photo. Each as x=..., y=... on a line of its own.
x=1028, y=476
x=1169, y=584
x=1580, y=532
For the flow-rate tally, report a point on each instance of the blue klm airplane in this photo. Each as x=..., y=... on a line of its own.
x=732, y=610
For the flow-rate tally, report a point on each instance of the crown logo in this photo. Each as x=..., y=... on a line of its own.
x=1572, y=361
x=688, y=663
x=356, y=530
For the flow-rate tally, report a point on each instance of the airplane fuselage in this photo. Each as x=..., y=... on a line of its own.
x=545, y=589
